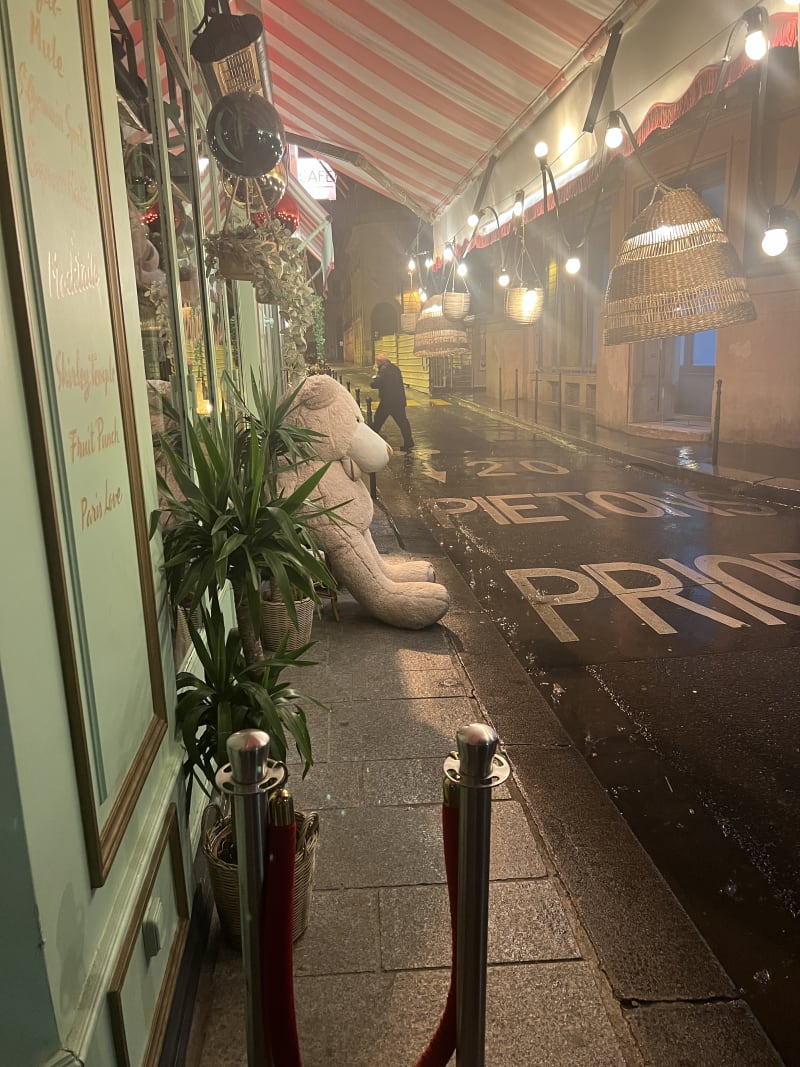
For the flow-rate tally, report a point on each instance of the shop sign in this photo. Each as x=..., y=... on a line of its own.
x=316, y=177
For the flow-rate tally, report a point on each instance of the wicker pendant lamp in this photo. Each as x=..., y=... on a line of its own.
x=676, y=273
x=524, y=302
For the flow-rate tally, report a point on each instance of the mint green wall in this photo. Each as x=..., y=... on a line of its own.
x=28, y=1037
x=63, y=936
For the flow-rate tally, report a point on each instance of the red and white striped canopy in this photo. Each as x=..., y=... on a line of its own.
x=421, y=92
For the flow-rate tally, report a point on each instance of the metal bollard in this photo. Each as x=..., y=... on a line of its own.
x=348, y=385
x=477, y=769
x=358, y=397
x=560, y=397
x=373, y=485
x=500, y=387
x=536, y=396
x=248, y=778
x=516, y=392
x=715, y=432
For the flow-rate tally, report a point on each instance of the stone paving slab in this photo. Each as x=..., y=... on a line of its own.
x=362, y=847
x=342, y=935
x=701, y=1035
x=526, y=922
x=647, y=944
x=411, y=729
x=550, y=1015
x=412, y=781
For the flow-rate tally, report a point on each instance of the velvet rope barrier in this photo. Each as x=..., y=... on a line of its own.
x=443, y=1043
x=277, y=977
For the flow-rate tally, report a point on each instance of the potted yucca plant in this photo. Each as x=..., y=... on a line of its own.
x=225, y=524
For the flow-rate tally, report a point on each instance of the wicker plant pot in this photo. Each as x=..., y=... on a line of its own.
x=275, y=622
x=219, y=847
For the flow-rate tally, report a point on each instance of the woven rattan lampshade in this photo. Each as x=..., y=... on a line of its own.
x=524, y=305
x=436, y=335
x=676, y=273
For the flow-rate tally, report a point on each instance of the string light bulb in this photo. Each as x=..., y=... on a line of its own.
x=411, y=265
x=573, y=265
x=473, y=219
x=423, y=295
x=519, y=201
x=755, y=44
x=503, y=278
x=540, y=149
x=776, y=236
x=614, y=133
x=461, y=270
x=447, y=255
x=429, y=262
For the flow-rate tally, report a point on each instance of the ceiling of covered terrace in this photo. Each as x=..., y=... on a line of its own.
x=419, y=94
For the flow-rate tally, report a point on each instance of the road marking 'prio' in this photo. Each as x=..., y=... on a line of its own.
x=657, y=583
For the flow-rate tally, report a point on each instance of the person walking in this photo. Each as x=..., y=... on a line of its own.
x=392, y=404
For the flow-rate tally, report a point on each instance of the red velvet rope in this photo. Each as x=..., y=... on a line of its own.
x=276, y=949
x=443, y=1043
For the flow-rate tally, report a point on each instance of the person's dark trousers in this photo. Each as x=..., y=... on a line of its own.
x=382, y=413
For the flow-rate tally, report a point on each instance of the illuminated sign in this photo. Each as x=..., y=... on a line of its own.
x=316, y=177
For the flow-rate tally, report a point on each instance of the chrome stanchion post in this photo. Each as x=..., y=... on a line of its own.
x=248, y=778
x=477, y=769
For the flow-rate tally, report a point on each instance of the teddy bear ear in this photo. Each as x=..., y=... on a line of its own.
x=319, y=391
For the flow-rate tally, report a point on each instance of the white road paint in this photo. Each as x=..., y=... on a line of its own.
x=518, y=508
x=650, y=583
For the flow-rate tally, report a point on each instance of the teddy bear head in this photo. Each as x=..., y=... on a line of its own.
x=322, y=404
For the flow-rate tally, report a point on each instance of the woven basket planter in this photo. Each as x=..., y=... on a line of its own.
x=275, y=622
x=676, y=273
x=524, y=305
x=455, y=305
x=219, y=847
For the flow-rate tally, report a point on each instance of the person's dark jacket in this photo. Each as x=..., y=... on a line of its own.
x=389, y=383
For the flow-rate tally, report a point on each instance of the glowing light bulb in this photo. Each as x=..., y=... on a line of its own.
x=519, y=203
x=412, y=264
x=423, y=295
x=755, y=45
x=775, y=240
x=429, y=262
x=447, y=255
x=461, y=270
x=614, y=131
x=540, y=149
x=503, y=278
x=473, y=219
x=529, y=302
x=202, y=163
x=573, y=265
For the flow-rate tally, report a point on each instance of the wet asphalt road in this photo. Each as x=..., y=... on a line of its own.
x=662, y=622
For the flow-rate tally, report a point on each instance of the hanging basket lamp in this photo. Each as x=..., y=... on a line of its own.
x=676, y=273
x=524, y=303
x=455, y=303
x=231, y=52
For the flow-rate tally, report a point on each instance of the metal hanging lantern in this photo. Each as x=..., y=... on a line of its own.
x=524, y=305
x=231, y=52
x=676, y=273
x=257, y=194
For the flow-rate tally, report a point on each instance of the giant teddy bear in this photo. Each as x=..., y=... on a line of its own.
x=401, y=593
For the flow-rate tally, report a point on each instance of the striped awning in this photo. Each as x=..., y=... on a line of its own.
x=420, y=93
